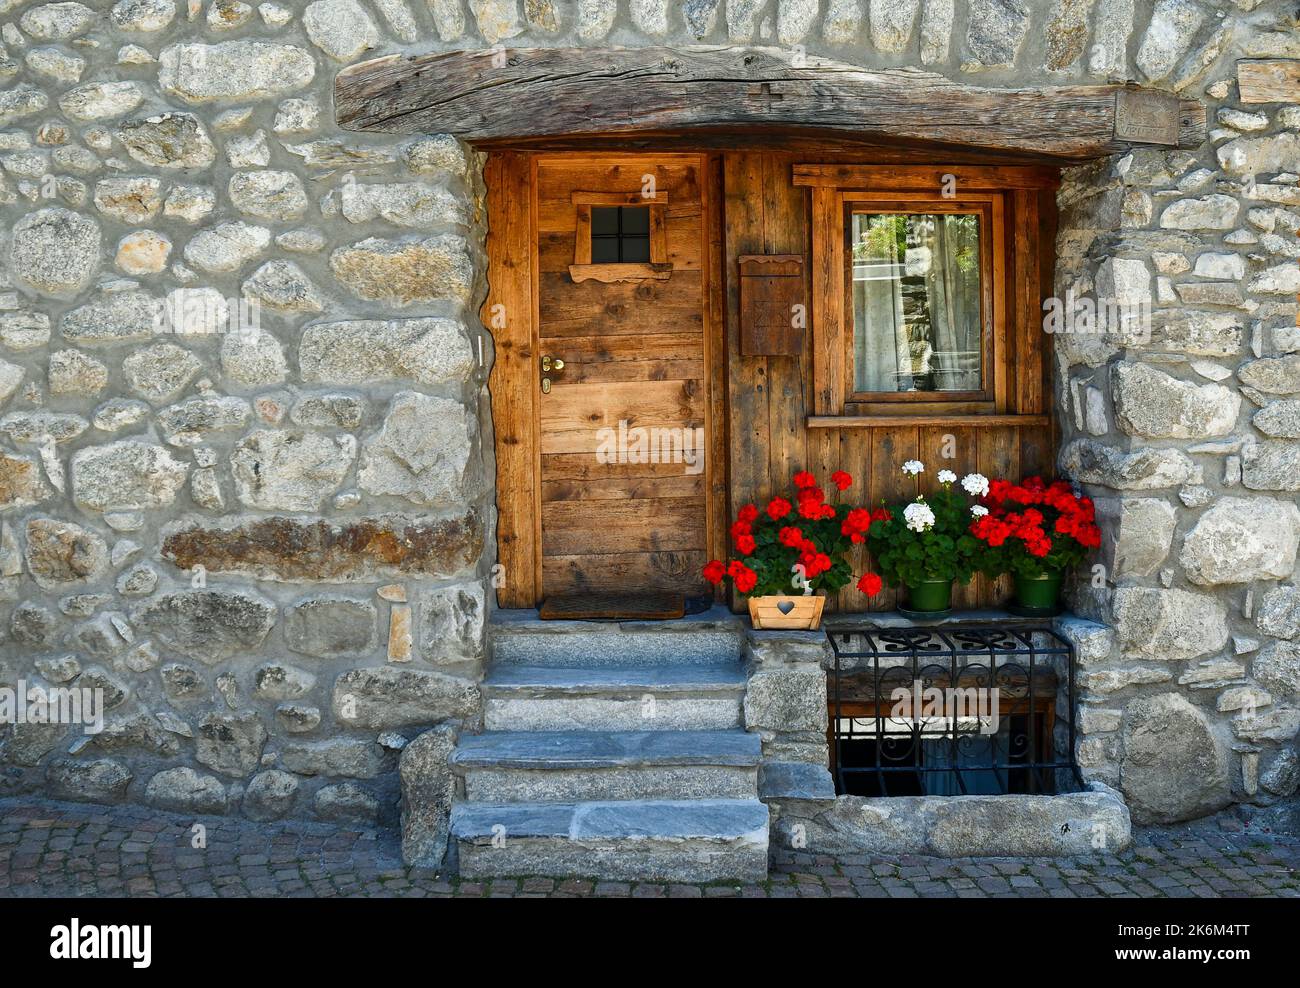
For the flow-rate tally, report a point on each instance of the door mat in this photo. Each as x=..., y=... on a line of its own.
x=613, y=606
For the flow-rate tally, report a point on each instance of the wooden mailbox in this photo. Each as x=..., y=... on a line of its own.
x=773, y=307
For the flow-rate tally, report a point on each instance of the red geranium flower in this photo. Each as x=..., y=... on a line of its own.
x=745, y=545
x=748, y=513
x=714, y=571
x=870, y=584
x=746, y=579
x=790, y=537
x=841, y=480
x=778, y=508
x=804, y=479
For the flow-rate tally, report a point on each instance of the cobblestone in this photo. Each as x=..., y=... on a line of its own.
x=67, y=849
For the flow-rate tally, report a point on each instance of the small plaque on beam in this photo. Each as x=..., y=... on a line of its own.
x=1147, y=117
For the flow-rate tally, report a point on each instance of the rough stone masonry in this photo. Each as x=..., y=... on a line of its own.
x=271, y=548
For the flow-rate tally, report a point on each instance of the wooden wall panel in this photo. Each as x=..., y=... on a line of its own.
x=772, y=397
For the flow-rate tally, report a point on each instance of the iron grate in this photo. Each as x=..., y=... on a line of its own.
x=957, y=683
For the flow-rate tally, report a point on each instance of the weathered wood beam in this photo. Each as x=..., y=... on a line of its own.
x=523, y=94
x=1269, y=80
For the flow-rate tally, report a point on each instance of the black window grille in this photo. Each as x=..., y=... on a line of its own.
x=952, y=710
x=620, y=234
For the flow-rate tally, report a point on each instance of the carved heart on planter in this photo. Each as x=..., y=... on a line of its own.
x=786, y=611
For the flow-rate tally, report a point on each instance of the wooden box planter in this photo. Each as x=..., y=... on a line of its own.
x=789, y=613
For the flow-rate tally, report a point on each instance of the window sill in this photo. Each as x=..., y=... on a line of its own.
x=610, y=273
x=904, y=421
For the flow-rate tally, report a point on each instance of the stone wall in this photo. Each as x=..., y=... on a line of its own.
x=271, y=549
x=1181, y=416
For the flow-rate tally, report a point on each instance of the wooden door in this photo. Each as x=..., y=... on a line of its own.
x=622, y=430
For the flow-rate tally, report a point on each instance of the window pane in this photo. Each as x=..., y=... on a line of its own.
x=604, y=221
x=636, y=219
x=636, y=249
x=916, y=302
x=604, y=250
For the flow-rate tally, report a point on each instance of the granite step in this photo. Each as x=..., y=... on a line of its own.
x=712, y=638
x=652, y=840
x=562, y=766
x=661, y=698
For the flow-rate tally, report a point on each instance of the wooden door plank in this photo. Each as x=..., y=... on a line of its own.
x=593, y=308
x=627, y=525
x=573, y=416
x=668, y=570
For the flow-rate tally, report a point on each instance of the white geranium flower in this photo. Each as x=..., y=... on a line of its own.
x=947, y=477
x=978, y=510
x=919, y=517
x=975, y=484
x=913, y=467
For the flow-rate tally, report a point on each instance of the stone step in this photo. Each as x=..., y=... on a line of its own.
x=660, y=698
x=715, y=637
x=544, y=766
x=653, y=840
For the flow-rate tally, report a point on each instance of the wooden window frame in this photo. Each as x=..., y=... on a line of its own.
x=659, y=268
x=1007, y=198
x=991, y=398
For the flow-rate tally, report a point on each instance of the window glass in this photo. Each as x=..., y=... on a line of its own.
x=917, y=322
x=620, y=234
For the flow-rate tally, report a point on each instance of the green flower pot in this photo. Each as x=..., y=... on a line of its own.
x=1038, y=593
x=930, y=595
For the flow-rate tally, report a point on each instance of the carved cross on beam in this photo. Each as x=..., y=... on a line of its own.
x=764, y=93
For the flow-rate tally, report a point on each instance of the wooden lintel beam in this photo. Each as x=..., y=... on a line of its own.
x=524, y=94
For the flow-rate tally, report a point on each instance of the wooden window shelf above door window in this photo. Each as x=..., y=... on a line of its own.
x=609, y=227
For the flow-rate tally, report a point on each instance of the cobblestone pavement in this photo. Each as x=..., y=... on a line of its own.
x=66, y=849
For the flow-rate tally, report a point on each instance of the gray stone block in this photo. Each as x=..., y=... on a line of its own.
x=541, y=698
x=668, y=840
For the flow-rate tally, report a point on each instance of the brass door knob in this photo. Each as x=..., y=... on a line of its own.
x=550, y=364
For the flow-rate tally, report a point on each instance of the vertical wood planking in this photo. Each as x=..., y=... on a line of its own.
x=510, y=271
x=999, y=458
x=715, y=344
x=827, y=302
x=890, y=449
x=784, y=227
x=1026, y=303
x=747, y=376
x=963, y=445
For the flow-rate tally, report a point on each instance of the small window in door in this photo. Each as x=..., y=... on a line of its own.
x=620, y=234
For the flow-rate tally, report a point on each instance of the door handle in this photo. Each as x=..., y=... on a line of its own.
x=550, y=365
